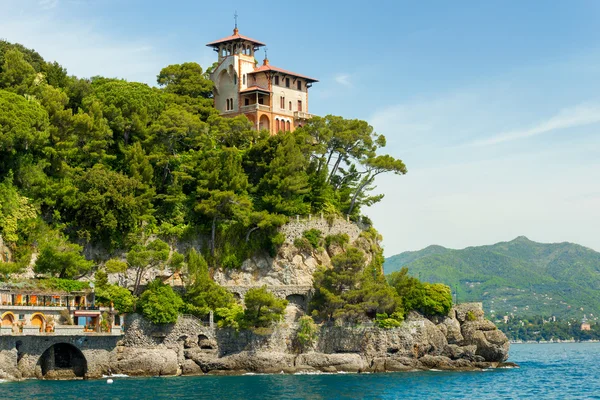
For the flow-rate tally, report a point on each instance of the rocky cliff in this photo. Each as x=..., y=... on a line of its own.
x=462, y=340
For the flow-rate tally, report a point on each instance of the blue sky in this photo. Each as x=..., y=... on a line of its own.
x=494, y=106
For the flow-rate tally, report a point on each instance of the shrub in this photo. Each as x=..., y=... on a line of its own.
x=230, y=317
x=471, y=316
x=65, y=285
x=307, y=332
x=388, y=322
x=340, y=239
x=262, y=307
x=230, y=261
x=121, y=297
x=278, y=239
x=303, y=244
x=160, y=304
x=313, y=236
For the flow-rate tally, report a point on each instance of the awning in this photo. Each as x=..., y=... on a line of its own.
x=87, y=313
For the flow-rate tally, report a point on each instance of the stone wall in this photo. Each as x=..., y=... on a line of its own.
x=21, y=354
x=296, y=228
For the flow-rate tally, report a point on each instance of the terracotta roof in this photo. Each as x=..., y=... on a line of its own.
x=264, y=68
x=253, y=88
x=235, y=36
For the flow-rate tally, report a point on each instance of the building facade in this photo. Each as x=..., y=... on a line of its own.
x=272, y=98
x=35, y=312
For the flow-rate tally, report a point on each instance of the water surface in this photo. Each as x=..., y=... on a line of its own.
x=548, y=371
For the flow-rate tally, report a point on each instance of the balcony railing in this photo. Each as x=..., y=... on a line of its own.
x=255, y=107
x=302, y=115
x=51, y=306
x=59, y=330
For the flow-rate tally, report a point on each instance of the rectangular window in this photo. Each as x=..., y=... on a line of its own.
x=277, y=80
x=299, y=85
x=287, y=82
x=246, y=102
x=299, y=105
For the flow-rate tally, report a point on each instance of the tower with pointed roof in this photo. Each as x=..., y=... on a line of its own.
x=272, y=98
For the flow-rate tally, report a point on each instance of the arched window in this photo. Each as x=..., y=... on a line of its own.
x=235, y=79
x=231, y=103
x=227, y=106
x=277, y=125
x=287, y=128
x=290, y=106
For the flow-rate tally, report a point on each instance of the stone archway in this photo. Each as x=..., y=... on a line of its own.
x=8, y=319
x=38, y=320
x=264, y=123
x=62, y=361
x=298, y=300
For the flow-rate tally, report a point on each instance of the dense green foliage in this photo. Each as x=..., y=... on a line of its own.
x=518, y=278
x=108, y=165
x=202, y=293
x=262, y=307
x=160, y=304
x=351, y=292
x=307, y=332
x=109, y=162
x=430, y=299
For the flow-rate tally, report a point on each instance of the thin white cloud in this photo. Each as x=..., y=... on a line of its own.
x=343, y=79
x=580, y=115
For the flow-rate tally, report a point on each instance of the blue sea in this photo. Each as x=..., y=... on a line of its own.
x=548, y=371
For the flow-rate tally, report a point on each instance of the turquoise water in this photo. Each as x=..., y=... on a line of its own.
x=548, y=371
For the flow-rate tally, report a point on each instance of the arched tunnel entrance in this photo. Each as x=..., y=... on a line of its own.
x=62, y=361
x=298, y=300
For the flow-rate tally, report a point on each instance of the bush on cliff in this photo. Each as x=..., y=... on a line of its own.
x=262, y=307
x=430, y=299
x=122, y=299
x=307, y=332
x=160, y=304
x=350, y=292
x=202, y=293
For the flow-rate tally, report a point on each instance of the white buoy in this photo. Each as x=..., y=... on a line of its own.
x=109, y=381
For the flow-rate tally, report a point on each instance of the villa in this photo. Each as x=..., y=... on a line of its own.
x=34, y=311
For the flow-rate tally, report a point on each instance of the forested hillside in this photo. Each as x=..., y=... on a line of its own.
x=521, y=277
x=111, y=162
x=125, y=171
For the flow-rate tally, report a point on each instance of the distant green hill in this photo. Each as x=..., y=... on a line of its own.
x=520, y=277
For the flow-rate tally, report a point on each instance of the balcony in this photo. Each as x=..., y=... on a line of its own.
x=58, y=330
x=302, y=115
x=255, y=107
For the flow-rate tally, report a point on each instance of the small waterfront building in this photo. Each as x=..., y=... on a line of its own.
x=585, y=325
x=272, y=98
x=34, y=311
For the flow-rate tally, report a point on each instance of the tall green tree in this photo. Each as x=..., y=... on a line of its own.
x=221, y=189
x=262, y=307
x=204, y=294
x=23, y=131
x=17, y=75
x=160, y=304
x=185, y=79
x=60, y=258
x=285, y=185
